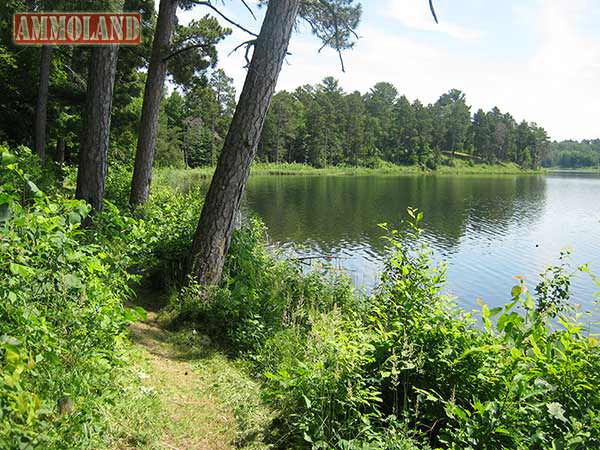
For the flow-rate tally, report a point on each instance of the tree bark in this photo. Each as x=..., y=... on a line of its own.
x=157, y=71
x=95, y=136
x=41, y=115
x=221, y=206
x=59, y=157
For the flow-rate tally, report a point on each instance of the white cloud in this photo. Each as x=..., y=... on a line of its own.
x=562, y=76
x=557, y=84
x=416, y=15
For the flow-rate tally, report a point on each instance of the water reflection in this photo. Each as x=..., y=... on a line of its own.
x=487, y=228
x=335, y=212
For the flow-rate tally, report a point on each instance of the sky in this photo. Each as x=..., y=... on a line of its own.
x=537, y=59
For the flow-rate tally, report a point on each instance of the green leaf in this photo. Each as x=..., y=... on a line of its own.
x=34, y=189
x=73, y=218
x=72, y=281
x=307, y=402
x=21, y=270
x=516, y=291
x=8, y=158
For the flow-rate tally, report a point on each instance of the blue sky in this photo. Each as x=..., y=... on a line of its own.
x=537, y=59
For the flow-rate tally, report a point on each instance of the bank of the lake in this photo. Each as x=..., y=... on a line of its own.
x=488, y=227
x=273, y=357
x=178, y=178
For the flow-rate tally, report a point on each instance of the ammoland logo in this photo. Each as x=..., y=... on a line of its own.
x=81, y=28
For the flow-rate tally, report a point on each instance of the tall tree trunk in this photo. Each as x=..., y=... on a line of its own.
x=217, y=221
x=157, y=71
x=41, y=116
x=59, y=156
x=95, y=137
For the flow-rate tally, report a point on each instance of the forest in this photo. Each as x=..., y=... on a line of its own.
x=135, y=314
x=573, y=154
x=318, y=125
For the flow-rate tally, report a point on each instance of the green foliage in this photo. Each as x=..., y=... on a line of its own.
x=206, y=114
x=61, y=311
x=260, y=294
x=571, y=154
x=62, y=291
x=517, y=384
x=406, y=369
x=324, y=126
x=402, y=369
x=161, y=229
x=194, y=50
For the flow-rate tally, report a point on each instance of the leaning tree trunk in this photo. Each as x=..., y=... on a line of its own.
x=157, y=71
x=41, y=116
x=217, y=221
x=95, y=137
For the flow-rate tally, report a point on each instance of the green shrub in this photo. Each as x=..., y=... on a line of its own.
x=62, y=319
x=526, y=377
x=260, y=294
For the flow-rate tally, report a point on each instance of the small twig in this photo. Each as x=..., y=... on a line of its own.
x=248, y=8
x=433, y=11
x=78, y=78
x=248, y=44
x=307, y=258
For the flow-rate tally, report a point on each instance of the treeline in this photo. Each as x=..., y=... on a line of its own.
x=323, y=125
x=193, y=123
x=572, y=154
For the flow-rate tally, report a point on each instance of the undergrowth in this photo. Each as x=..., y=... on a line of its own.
x=404, y=368
x=401, y=369
x=63, y=345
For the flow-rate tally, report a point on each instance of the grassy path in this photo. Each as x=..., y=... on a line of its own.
x=191, y=418
x=201, y=399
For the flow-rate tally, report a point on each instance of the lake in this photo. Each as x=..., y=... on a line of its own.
x=488, y=229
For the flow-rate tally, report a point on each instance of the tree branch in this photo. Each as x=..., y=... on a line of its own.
x=248, y=45
x=248, y=8
x=336, y=32
x=433, y=11
x=181, y=50
x=224, y=17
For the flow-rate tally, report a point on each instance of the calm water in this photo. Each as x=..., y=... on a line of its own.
x=487, y=228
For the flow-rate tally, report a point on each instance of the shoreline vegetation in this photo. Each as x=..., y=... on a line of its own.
x=574, y=169
x=143, y=317
x=174, y=177
x=279, y=358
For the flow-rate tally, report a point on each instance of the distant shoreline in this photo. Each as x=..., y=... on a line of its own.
x=586, y=170
x=295, y=169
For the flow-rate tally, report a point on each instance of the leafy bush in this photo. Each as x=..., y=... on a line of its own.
x=414, y=363
x=62, y=319
x=259, y=295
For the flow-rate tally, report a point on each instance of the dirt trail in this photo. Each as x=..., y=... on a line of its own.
x=192, y=419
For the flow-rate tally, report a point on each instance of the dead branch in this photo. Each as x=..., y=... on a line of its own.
x=248, y=45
